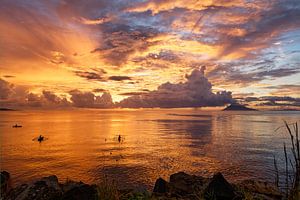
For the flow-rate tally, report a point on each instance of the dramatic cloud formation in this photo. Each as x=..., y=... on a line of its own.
x=248, y=47
x=195, y=92
x=5, y=88
x=18, y=96
x=89, y=100
x=11, y=95
x=121, y=41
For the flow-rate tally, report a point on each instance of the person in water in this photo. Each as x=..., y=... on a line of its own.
x=119, y=138
x=16, y=126
x=40, y=138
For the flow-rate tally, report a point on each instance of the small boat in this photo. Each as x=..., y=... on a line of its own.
x=17, y=126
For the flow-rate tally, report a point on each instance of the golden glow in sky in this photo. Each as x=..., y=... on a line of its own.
x=77, y=49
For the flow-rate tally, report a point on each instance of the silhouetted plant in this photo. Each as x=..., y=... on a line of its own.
x=107, y=190
x=276, y=173
x=292, y=164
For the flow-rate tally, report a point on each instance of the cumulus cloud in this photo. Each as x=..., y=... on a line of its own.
x=164, y=38
x=89, y=100
x=5, y=88
x=195, y=92
x=18, y=96
x=12, y=95
x=45, y=100
x=53, y=100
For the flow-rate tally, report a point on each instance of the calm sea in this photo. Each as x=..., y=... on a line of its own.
x=83, y=144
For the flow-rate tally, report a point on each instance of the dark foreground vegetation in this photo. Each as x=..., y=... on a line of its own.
x=180, y=185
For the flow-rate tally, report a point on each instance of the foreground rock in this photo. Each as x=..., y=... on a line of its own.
x=219, y=189
x=48, y=188
x=5, y=183
x=260, y=190
x=180, y=186
x=190, y=187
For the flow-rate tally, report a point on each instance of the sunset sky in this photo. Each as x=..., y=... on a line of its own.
x=78, y=53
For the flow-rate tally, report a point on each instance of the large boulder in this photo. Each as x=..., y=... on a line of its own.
x=161, y=186
x=45, y=189
x=82, y=191
x=5, y=182
x=219, y=189
x=183, y=184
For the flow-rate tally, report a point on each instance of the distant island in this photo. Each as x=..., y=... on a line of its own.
x=6, y=109
x=237, y=107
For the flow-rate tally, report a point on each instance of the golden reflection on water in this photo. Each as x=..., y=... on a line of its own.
x=83, y=145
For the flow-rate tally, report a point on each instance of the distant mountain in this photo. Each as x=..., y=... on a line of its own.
x=285, y=109
x=6, y=109
x=237, y=107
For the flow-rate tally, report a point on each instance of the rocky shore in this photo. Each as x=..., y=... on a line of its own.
x=180, y=186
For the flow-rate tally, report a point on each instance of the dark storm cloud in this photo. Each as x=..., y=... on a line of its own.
x=195, y=92
x=119, y=78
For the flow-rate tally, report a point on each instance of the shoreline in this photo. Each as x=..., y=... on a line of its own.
x=179, y=186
